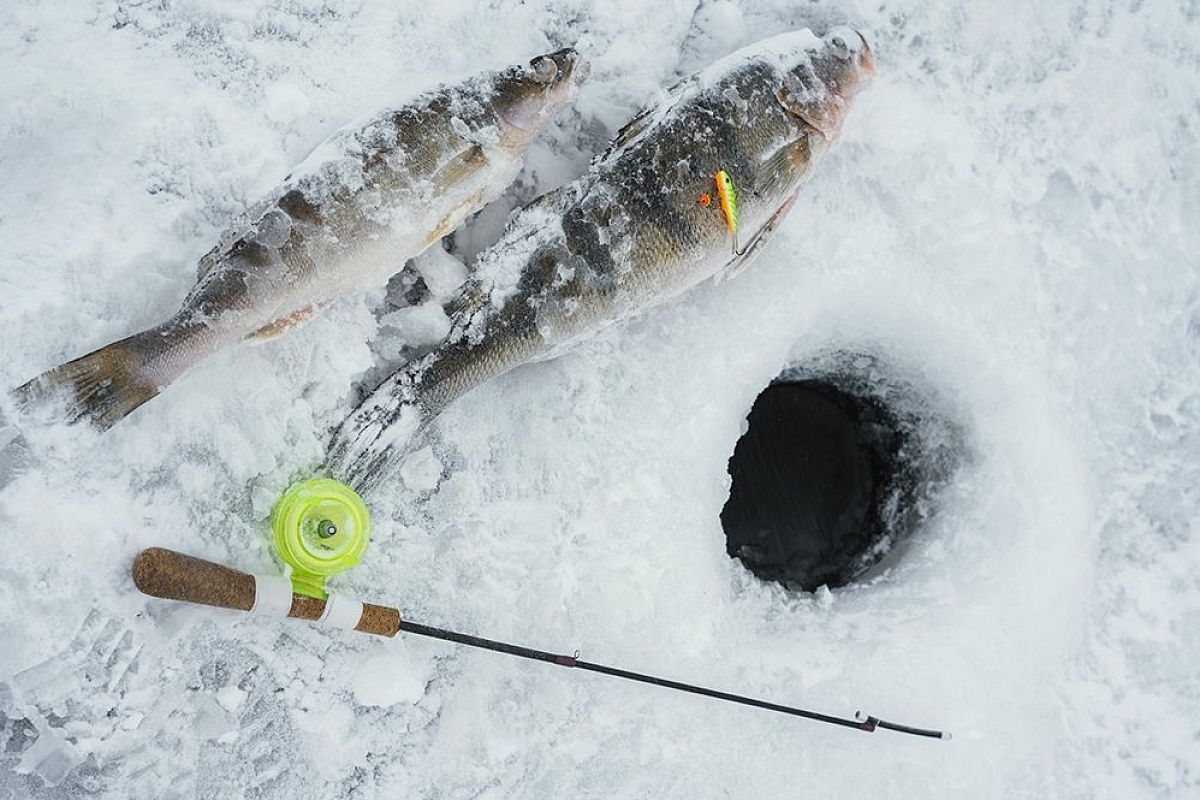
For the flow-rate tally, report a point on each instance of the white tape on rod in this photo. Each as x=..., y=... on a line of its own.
x=272, y=596
x=341, y=612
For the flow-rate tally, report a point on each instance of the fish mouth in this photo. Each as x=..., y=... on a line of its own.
x=540, y=89
x=570, y=67
x=848, y=62
x=866, y=56
x=850, y=47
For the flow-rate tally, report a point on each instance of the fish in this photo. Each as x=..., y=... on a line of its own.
x=369, y=197
x=631, y=233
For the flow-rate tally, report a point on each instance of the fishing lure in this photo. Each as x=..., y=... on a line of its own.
x=727, y=199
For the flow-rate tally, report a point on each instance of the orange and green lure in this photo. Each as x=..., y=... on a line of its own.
x=727, y=198
x=727, y=202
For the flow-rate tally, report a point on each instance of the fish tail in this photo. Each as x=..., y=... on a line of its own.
x=104, y=386
x=381, y=429
x=386, y=424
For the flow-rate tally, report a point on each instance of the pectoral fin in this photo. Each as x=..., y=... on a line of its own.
x=455, y=216
x=282, y=325
x=460, y=167
x=786, y=167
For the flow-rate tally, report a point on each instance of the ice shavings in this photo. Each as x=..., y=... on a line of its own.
x=387, y=679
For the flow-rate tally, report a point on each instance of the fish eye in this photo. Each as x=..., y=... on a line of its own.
x=544, y=69
x=840, y=48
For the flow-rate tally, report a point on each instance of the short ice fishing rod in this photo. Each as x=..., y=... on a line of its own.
x=320, y=529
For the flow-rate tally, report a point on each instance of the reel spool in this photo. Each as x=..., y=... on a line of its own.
x=320, y=527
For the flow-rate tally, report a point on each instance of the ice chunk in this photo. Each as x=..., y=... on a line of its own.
x=51, y=757
x=274, y=228
x=443, y=273
x=421, y=470
x=231, y=698
x=388, y=679
x=285, y=103
x=419, y=325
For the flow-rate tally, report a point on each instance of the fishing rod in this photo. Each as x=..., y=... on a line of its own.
x=861, y=721
x=320, y=528
x=170, y=575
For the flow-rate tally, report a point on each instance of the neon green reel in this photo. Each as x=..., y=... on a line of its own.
x=320, y=528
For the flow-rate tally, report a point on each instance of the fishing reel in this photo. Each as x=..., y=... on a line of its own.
x=320, y=528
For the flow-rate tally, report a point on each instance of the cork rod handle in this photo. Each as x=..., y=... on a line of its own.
x=174, y=576
x=169, y=575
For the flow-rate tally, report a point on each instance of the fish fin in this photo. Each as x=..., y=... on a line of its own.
x=629, y=131
x=641, y=121
x=101, y=387
x=785, y=166
x=458, y=168
x=551, y=201
x=208, y=261
x=275, y=329
x=447, y=223
x=743, y=257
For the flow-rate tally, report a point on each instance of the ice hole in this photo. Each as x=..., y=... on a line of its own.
x=840, y=461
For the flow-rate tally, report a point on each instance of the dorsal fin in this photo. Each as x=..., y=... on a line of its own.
x=208, y=261
x=631, y=130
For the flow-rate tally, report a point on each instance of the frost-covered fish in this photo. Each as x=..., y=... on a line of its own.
x=367, y=199
x=632, y=232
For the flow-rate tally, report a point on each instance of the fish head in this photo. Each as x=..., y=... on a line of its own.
x=528, y=96
x=823, y=78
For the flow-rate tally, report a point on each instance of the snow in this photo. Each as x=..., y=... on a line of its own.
x=230, y=698
x=443, y=273
x=286, y=103
x=388, y=679
x=1007, y=224
x=424, y=324
x=422, y=470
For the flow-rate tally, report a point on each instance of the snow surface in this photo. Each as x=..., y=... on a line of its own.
x=1009, y=221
